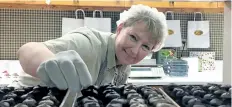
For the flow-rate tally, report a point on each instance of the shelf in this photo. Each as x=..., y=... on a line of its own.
x=149, y=3
x=201, y=5
x=113, y=5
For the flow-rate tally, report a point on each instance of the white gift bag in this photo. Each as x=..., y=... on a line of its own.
x=174, y=38
x=69, y=24
x=198, y=33
x=101, y=24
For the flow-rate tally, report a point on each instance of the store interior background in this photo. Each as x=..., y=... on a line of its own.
x=19, y=26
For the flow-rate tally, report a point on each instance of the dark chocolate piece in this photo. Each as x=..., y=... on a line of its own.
x=138, y=105
x=20, y=105
x=4, y=104
x=215, y=102
x=137, y=100
x=30, y=102
x=194, y=101
x=48, y=102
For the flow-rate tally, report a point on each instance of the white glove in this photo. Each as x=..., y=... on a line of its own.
x=66, y=71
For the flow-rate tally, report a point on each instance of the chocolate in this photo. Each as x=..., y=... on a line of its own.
x=215, y=102
x=30, y=102
x=31, y=96
x=208, y=95
x=186, y=98
x=48, y=102
x=194, y=101
x=138, y=105
x=4, y=104
x=21, y=105
x=126, y=95
x=136, y=100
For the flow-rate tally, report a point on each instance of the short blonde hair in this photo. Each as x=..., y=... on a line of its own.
x=155, y=21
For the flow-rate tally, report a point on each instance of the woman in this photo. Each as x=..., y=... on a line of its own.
x=87, y=56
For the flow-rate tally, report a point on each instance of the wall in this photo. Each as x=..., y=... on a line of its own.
x=21, y=26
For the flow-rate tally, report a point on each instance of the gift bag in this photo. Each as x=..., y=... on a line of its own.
x=174, y=33
x=69, y=24
x=101, y=24
x=198, y=33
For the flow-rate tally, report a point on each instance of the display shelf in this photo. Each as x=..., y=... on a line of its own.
x=113, y=5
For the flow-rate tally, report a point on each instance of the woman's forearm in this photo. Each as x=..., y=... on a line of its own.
x=31, y=55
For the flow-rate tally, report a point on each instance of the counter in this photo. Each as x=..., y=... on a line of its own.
x=194, y=77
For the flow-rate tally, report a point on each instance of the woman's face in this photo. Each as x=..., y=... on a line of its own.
x=133, y=43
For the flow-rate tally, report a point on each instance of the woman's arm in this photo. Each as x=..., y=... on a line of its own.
x=31, y=55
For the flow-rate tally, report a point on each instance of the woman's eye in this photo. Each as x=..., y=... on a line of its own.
x=146, y=48
x=133, y=38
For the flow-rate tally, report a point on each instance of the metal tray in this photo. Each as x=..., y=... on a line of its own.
x=158, y=89
x=69, y=99
x=167, y=97
x=76, y=96
x=64, y=102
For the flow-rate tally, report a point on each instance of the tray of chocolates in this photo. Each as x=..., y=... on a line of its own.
x=127, y=95
x=206, y=95
x=37, y=96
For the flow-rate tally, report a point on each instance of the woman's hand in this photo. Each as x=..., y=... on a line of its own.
x=66, y=71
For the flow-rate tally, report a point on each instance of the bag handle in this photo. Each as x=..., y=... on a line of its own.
x=171, y=12
x=81, y=11
x=94, y=13
x=197, y=13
